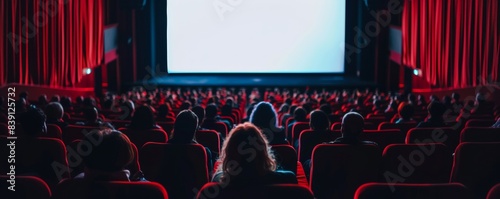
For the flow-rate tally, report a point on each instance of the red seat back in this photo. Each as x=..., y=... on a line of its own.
x=41, y=157
x=141, y=137
x=383, y=137
x=297, y=128
x=289, y=191
x=209, y=139
x=337, y=170
x=83, y=189
x=480, y=134
x=494, y=192
x=75, y=132
x=403, y=127
x=416, y=163
x=179, y=168
x=168, y=127
x=286, y=157
x=476, y=166
x=445, y=135
x=479, y=123
x=308, y=140
x=27, y=187
x=415, y=191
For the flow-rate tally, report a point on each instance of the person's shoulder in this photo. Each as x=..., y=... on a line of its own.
x=283, y=176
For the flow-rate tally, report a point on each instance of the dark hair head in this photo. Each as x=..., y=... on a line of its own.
x=326, y=108
x=90, y=114
x=113, y=153
x=447, y=100
x=55, y=98
x=436, y=109
x=42, y=100
x=284, y=108
x=89, y=102
x=300, y=114
x=406, y=111
x=455, y=96
x=163, y=111
x=185, y=126
x=66, y=102
x=143, y=118
x=33, y=121
x=264, y=116
x=211, y=111
x=352, y=125
x=185, y=105
x=292, y=109
x=54, y=111
x=319, y=121
x=200, y=113
x=289, y=101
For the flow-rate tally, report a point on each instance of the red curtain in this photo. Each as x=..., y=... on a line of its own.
x=49, y=42
x=456, y=43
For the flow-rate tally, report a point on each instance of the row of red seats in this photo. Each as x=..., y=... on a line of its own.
x=349, y=171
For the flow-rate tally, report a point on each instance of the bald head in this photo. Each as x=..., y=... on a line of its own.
x=352, y=124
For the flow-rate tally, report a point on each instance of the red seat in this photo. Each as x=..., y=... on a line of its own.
x=141, y=137
x=480, y=134
x=416, y=163
x=75, y=132
x=308, y=140
x=286, y=157
x=82, y=189
x=168, y=127
x=337, y=170
x=414, y=191
x=297, y=128
x=179, y=168
x=494, y=192
x=221, y=128
x=54, y=131
x=383, y=137
x=403, y=127
x=209, y=139
x=220, y=191
x=27, y=187
x=41, y=157
x=479, y=123
x=228, y=118
x=476, y=166
x=445, y=135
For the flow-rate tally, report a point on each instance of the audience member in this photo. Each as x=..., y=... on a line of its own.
x=320, y=126
x=299, y=115
x=258, y=167
x=91, y=116
x=352, y=127
x=143, y=119
x=436, y=110
x=33, y=122
x=55, y=113
x=107, y=161
x=405, y=112
x=264, y=117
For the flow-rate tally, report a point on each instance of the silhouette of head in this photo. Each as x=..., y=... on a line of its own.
x=264, y=116
x=326, y=108
x=211, y=111
x=406, y=111
x=436, y=109
x=33, y=121
x=319, y=121
x=352, y=125
x=200, y=113
x=90, y=114
x=113, y=153
x=143, y=118
x=185, y=126
x=300, y=114
x=54, y=111
x=185, y=105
